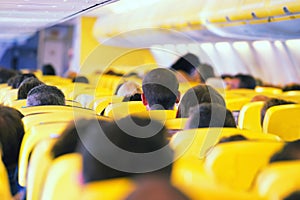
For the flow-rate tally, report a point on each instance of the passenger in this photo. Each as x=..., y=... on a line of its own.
x=270, y=103
x=6, y=74
x=80, y=79
x=26, y=86
x=197, y=95
x=291, y=87
x=48, y=69
x=242, y=81
x=45, y=95
x=210, y=115
x=98, y=152
x=160, y=90
x=130, y=90
x=11, y=135
x=16, y=81
x=290, y=151
x=206, y=71
x=69, y=139
x=233, y=138
x=187, y=68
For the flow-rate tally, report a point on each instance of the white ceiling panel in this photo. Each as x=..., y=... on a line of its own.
x=25, y=17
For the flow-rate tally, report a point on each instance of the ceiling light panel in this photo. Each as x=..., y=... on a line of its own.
x=20, y=16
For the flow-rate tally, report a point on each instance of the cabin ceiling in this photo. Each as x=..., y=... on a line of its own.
x=22, y=18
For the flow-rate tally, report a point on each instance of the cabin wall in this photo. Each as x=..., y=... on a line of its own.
x=275, y=62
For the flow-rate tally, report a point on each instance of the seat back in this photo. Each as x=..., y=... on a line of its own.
x=120, y=110
x=176, y=124
x=235, y=164
x=160, y=115
x=62, y=181
x=196, y=142
x=4, y=182
x=278, y=180
x=40, y=162
x=54, y=108
x=268, y=90
x=117, y=188
x=249, y=117
x=34, y=135
x=283, y=121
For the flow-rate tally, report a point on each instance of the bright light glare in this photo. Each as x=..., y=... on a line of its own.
x=240, y=46
x=262, y=45
x=207, y=46
x=223, y=46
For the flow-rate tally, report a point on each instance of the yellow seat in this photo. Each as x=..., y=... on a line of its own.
x=268, y=90
x=235, y=164
x=120, y=110
x=34, y=135
x=54, y=108
x=35, y=119
x=3, y=92
x=196, y=142
x=10, y=96
x=176, y=124
x=62, y=181
x=276, y=8
x=291, y=96
x=249, y=117
x=73, y=103
x=160, y=115
x=117, y=188
x=235, y=104
x=278, y=180
x=283, y=121
x=100, y=103
x=40, y=162
x=17, y=104
x=4, y=182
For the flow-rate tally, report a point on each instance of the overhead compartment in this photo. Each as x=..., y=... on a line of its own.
x=175, y=21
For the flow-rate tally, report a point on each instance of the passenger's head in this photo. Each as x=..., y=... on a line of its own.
x=160, y=89
x=197, y=95
x=187, y=63
x=233, y=138
x=27, y=85
x=242, y=81
x=6, y=74
x=210, y=115
x=11, y=134
x=206, y=71
x=48, y=69
x=69, y=139
x=80, y=79
x=111, y=151
x=16, y=81
x=291, y=87
x=294, y=196
x=45, y=95
x=270, y=103
x=130, y=90
x=290, y=151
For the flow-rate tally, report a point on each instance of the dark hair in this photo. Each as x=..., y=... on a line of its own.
x=206, y=71
x=48, y=69
x=290, y=151
x=270, y=103
x=197, y=95
x=92, y=146
x=69, y=139
x=16, y=81
x=135, y=97
x=45, y=95
x=210, y=115
x=11, y=134
x=6, y=74
x=80, y=79
x=27, y=85
x=246, y=81
x=233, y=138
x=294, y=196
x=160, y=88
x=187, y=63
x=291, y=87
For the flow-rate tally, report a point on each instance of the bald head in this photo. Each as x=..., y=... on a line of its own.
x=160, y=89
